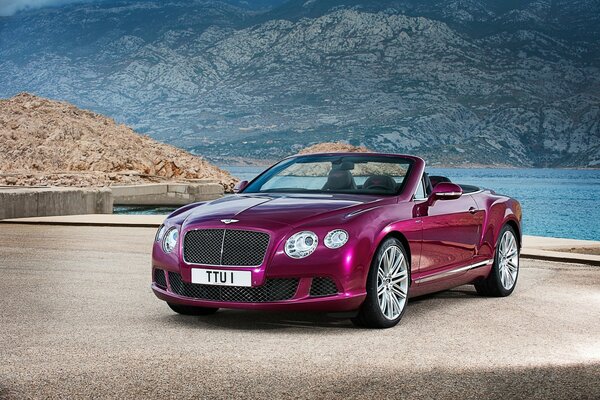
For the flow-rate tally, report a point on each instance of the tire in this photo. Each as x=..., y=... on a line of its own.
x=503, y=277
x=191, y=310
x=385, y=310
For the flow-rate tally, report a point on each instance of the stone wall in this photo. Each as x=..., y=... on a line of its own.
x=16, y=202
x=172, y=194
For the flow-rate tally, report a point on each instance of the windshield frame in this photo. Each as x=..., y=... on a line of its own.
x=273, y=170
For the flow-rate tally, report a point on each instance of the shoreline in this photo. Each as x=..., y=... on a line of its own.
x=267, y=163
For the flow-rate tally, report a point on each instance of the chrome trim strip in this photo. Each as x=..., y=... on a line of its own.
x=448, y=194
x=358, y=212
x=475, y=192
x=222, y=246
x=443, y=274
x=463, y=194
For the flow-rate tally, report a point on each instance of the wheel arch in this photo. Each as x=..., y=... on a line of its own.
x=501, y=211
x=515, y=226
x=400, y=236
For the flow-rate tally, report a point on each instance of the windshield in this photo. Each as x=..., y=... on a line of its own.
x=354, y=174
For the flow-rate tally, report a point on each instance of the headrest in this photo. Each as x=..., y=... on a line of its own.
x=381, y=181
x=339, y=179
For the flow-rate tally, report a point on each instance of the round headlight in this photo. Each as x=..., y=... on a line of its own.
x=170, y=240
x=336, y=239
x=301, y=244
x=160, y=233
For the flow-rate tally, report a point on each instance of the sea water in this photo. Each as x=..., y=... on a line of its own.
x=556, y=202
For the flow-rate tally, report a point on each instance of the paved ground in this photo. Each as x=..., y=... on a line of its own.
x=77, y=319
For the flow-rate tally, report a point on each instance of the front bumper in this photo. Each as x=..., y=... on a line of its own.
x=302, y=300
x=347, y=267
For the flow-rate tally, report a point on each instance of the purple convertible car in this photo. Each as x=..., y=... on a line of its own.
x=356, y=233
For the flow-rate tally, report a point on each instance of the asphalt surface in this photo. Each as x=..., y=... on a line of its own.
x=78, y=320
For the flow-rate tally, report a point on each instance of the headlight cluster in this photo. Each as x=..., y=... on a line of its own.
x=302, y=244
x=336, y=239
x=168, y=238
x=160, y=233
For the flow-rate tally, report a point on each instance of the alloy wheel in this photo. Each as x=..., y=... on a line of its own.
x=392, y=282
x=508, y=262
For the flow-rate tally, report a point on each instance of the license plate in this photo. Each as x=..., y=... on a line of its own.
x=220, y=277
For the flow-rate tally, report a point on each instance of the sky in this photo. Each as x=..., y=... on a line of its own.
x=10, y=7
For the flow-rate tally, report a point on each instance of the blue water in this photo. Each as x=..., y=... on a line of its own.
x=556, y=202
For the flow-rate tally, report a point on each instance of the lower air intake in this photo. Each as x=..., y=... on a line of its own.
x=159, y=278
x=272, y=290
x=323, y=287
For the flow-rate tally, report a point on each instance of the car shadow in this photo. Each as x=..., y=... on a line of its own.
x=247, y=320
x=461, y=292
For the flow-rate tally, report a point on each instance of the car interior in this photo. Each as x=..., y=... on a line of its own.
x=342, y=179
x=339, y=179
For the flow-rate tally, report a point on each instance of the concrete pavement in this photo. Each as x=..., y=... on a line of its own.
x=78, y=320
x=561, y=250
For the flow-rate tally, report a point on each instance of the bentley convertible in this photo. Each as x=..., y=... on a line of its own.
x=351, y=233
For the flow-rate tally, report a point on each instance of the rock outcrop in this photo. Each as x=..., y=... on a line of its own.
x=333, y=147
x=52, y=143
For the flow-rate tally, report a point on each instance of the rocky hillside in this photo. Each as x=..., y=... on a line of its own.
x=46, y=142
x=491, y=82
x=335, y=147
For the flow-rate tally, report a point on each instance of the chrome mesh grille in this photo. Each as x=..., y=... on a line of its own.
x=272, y=290
x=203, y=246
x=225, y=247
x=323, y=287
x=159, y=278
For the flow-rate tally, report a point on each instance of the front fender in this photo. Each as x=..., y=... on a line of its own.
x=392, y=220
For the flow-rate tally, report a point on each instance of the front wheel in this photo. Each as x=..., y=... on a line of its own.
x=387, y=287
x=190, y=310
x=503, y=277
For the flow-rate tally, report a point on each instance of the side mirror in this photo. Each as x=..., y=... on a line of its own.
x=445, y=191
x=241, y=185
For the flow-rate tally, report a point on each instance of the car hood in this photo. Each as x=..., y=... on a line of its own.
x=282, y=209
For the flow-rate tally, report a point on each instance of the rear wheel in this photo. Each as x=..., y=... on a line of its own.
x=503, y=277
x=190, y=310
x=387, y=287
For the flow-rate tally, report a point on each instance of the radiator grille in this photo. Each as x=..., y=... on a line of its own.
x=159, y=278
x=225, y=247
x=323, y=287
x=272, y=290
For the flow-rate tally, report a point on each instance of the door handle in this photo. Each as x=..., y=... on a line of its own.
x=473, y=210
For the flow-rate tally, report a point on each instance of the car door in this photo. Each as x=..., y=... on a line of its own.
x=451, y=231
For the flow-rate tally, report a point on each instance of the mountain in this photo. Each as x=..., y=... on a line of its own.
x=335, y=147
x=459, y=82
x=46, y=142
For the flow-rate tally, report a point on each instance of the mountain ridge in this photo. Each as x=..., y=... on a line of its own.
x=395, y=76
